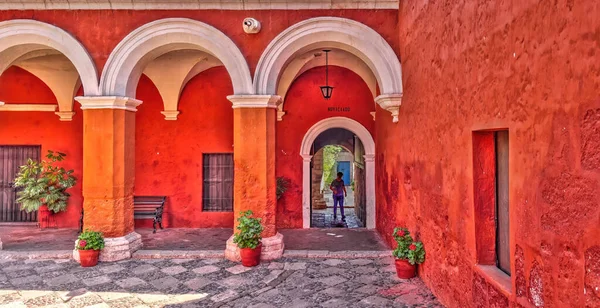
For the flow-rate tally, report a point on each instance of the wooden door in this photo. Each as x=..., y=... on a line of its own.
x=11, y=158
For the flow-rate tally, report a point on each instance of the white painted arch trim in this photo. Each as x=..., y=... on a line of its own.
x=28, y=107
x=369, y=144
x=128, y=60
x=330, y=32
x=20, y=36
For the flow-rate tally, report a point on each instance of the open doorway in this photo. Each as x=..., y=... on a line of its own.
x=338, y=163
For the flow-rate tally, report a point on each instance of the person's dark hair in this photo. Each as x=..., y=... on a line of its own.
x=340, y=174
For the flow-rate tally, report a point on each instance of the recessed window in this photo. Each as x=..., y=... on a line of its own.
x=491, y=198
x=217, y=192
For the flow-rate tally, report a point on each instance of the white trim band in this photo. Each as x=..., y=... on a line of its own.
x=391, y=103
x=108, y=102
x=200, y=5
x=28, y=107
x=254, y=101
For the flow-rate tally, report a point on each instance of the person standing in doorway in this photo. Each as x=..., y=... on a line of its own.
x=338, y=187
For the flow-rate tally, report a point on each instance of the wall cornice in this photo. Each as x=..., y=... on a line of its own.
x=199, y=5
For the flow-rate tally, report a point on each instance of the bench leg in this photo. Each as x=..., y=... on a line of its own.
x=154, y=226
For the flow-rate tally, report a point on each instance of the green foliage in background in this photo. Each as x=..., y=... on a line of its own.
x=330, y=155
x=44, y=183
x=282, y=186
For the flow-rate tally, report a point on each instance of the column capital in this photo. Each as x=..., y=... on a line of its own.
x=306, y=157
x=369, y=157
x=391, y=103
x=108, y=102
x=254, y=101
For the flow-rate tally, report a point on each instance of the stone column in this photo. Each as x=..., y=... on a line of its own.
x=370, y=190
x=254, y=118
x=109, y=173
x=318, y=202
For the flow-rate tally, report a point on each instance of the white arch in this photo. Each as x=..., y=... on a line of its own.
x=369, y=144
x=128, y=60
x=21, y=36
x=330, y=32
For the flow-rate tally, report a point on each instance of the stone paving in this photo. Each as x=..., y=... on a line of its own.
x=210, y=283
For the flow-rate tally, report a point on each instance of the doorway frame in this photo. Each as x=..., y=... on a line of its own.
x=369, y=144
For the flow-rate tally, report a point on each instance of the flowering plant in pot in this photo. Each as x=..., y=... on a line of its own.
x=44, y=186
x=89, y=244
x=408, y=253
x=248, y=238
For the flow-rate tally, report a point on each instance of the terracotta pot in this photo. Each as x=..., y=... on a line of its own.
x=404, y=269
x=251, y=257
x=88, y=258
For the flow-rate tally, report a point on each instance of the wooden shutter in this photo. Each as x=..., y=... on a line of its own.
x=502, y=206
x=217, y=183
x=11, y=158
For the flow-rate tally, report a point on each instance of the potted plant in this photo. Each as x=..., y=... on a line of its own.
x=44, y=186
x=408, y=253
x=248, y=238
x=89, y=243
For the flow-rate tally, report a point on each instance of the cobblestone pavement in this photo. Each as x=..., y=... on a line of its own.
x=209, y=283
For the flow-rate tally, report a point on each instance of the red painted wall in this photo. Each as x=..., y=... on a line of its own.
x=169, y=153
x=305, y=106
x=45, y=129
x=529, y=66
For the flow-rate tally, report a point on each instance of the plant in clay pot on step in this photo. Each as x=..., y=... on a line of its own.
x=408, y=253
x=44, y=186
x=248, y=238
x=89, y=243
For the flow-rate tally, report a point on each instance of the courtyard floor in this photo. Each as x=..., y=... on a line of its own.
x=26, y=239
x=210, y=283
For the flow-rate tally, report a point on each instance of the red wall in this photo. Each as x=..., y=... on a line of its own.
x=531, y=67
x=45, y=129
x=169, y=153
x=101, y=31
x=305, y=106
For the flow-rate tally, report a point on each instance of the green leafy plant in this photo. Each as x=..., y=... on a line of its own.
x=352, y=185
x=90, y=240
x=407, y=248
x=249, y=231
x=330, y=155
x=282, y=186
x=44, y=183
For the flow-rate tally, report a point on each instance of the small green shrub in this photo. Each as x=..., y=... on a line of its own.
x=408, y=249
x=282, y=186
x=90, y=240
x=249, y=231
x=44, y=183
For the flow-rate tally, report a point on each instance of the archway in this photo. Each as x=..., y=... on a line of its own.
x=369, y=147
x=52, y=55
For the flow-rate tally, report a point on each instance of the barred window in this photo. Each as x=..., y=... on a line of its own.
x=218, y=182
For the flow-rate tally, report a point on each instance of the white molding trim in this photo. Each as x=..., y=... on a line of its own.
x=198, y=5
x=254, y=101
x=128, y=60
x=28, y=107
x=329, y=32
x=30, y=35
x=391, y=103
x=65, y=115
x=170, y=115
x=108, y=102
x=369, y=144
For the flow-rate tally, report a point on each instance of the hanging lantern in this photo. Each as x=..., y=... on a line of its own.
x=326, y=90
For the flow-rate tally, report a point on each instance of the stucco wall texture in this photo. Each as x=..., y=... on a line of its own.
x=531, y=67
x=44, y=129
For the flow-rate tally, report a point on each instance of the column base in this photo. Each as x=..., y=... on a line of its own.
x=272, y=248
x=117, y=248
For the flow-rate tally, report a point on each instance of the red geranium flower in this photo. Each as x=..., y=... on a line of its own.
x=401, y=233
x=82, y=243
x=412, y=247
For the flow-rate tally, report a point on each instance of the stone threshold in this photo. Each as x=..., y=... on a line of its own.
x=197, y=254
x=36, y=255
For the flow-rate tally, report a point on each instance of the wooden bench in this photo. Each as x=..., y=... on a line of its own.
x=143, y=207
x=149, y=207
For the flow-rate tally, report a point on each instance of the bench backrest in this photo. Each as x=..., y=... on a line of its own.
x=140, y=202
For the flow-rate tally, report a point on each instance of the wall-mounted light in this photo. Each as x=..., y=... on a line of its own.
x=326, y=90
